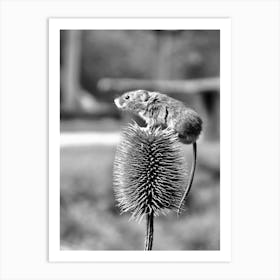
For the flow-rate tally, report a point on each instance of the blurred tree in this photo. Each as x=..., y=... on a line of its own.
x=70, y=72
x=93, y=54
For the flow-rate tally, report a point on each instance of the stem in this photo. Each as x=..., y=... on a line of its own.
x=149, y=231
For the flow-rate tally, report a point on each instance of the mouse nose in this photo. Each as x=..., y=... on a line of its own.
x=117, y=102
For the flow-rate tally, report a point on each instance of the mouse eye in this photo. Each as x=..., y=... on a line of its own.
x=126, y=97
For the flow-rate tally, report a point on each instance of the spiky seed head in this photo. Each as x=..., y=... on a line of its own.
x=149, y=171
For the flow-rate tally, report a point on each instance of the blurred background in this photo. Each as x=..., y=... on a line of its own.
x=97, y=66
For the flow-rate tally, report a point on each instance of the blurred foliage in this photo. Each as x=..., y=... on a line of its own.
x=134, y=54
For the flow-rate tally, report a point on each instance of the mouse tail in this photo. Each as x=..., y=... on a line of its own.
x=188, y=188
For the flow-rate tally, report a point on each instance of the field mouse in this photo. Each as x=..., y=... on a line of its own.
x=158, y=109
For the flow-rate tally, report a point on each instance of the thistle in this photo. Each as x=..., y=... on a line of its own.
x=149, y=174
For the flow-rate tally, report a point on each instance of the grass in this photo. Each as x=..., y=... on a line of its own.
x=90, y=219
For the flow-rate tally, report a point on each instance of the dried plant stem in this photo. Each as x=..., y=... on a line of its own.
x=149, y=231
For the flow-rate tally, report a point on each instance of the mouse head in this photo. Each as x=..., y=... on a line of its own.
x=133, y=101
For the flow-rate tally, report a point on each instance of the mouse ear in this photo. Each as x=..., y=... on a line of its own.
x=145, y=95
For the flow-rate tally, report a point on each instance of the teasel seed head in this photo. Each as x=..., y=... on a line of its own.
x=149, y=171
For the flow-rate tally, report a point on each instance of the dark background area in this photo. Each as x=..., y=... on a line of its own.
x=97, y=66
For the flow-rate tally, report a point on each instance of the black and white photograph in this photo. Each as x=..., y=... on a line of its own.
x=139, y=140
x=139, y=119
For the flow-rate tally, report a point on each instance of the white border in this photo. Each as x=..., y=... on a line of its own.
x=57, y=255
